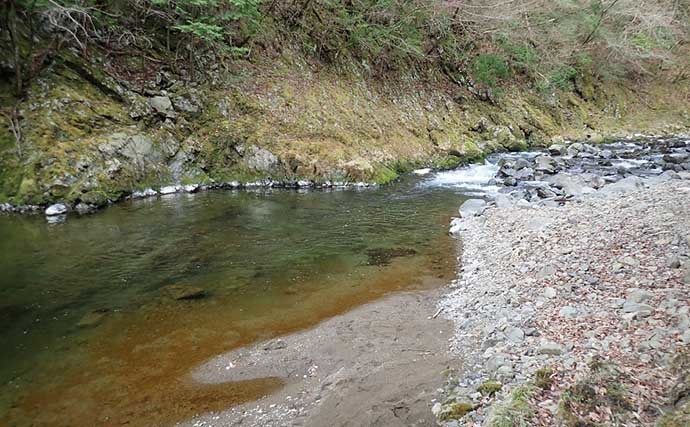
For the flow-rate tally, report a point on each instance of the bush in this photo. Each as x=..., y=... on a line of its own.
x=490, y=69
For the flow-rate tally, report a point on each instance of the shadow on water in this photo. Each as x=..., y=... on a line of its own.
x=91, y=338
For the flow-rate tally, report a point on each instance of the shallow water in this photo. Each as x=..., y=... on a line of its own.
x=271, y=262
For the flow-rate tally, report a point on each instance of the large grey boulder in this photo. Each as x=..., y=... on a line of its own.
x=472, y=207
x=162, y=105
x=545, y=164
x=571, y=185
x=258, y=159
x=625, y=185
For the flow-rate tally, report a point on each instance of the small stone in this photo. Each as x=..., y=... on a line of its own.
x=550, y=293
x=673, y=262
x=515, y=335
x=277, y=344
x=568, y=311
x=550, y=348
x=638, y=295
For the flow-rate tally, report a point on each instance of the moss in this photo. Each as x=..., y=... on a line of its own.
x=490, y=388
x=384, y=175
x=543, y=378
x=602, y=388
x=457, y=411
x=515, y=410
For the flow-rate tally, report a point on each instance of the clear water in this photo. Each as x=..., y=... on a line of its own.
x=89, y=336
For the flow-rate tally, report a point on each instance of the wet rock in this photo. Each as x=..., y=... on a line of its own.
x=472, y=207
x=277, y=344
x=557, y=149
x=56, y=209
x=147, y=192
x=545, y=164
x=191, y=188
x=85, y=208
x=170, y=189
x=181, y=292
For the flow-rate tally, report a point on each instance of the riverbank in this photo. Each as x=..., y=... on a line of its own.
x=574, y=314
x=376, y=365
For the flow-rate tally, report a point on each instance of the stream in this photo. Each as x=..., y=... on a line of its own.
x=90, y=331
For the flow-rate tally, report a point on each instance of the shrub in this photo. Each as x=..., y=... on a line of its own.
x=490, y=69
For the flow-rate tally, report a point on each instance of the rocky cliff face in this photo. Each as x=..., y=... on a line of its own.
x=90, y=138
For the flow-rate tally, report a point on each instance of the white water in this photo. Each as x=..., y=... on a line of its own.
x=473, y=179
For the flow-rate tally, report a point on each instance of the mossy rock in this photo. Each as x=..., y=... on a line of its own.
x=457, y=411
x=490, y=388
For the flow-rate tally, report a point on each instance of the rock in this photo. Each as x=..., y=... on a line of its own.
x=550, y=293
x=570, y=184
x=496, y=362
x=170, y=189
x=181, y=292
x=625, y=185
x=91, y=318
x=515, y=335
x=191, y=188
x=472, y=207
x=148, y=192
x=258, y=159
x=673, y=262
x=187, y=105
x=503, y=201
x=639, y=310
x=276, y=344
x=524, y=204
x=550, y=348
x=161, y=105
x=546, y=164
x=675, y=158
x=56, y=209
x=568, y=311
x=510, y=182
x=639, y=295
x=557, y=149
x=84, y=208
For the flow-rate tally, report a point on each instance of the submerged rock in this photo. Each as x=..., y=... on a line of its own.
x=181, y=292
x=384, y=256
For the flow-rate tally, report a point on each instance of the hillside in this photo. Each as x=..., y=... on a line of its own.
x=106, y=98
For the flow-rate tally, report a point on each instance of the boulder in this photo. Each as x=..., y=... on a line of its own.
x=557, y=149
x=170, y=189
x=162, y=105
x=56, y=209
x=625, y=185
x=545, y=164
x=472, y=207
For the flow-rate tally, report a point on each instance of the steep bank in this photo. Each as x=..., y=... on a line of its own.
x=90, y=136
x=574, y=315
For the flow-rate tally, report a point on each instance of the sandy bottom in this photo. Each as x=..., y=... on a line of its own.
x=377, y=365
